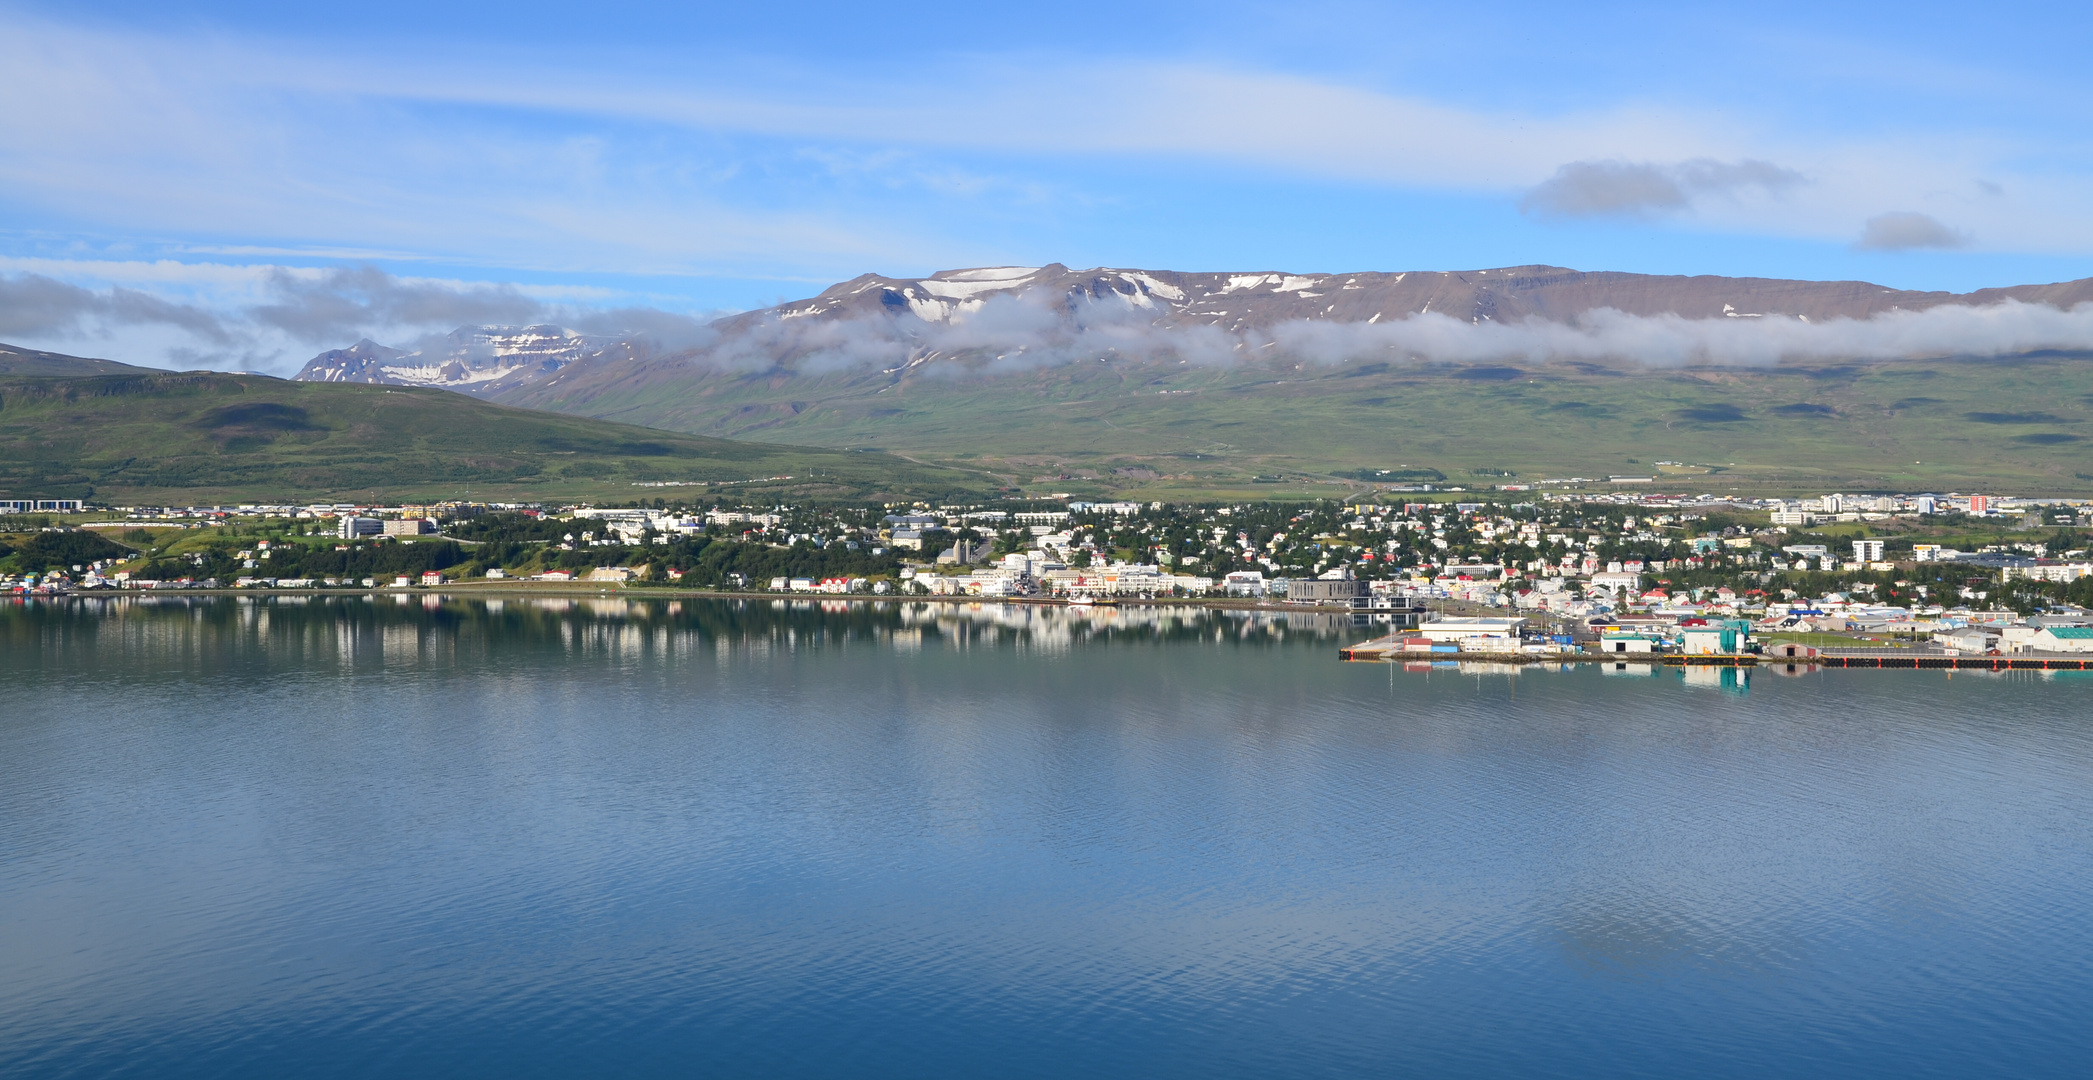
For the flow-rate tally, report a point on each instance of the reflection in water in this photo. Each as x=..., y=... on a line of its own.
x=412, y=629
x=430, y=836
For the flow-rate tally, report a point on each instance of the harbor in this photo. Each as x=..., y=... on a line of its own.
x=1402, y=647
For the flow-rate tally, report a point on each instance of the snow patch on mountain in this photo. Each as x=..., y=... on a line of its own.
x=469, y=358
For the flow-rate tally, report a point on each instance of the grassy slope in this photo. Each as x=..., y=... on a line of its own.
x=2024, y=425
x=154, y=437
x=19, y=361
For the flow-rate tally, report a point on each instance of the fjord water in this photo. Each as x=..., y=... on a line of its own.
x=252, y=837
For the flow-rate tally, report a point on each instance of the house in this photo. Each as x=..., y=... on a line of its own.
x=1788, y=650
x=1653, y=625
x=611, y=573
x=555, y=575
x=2075, y=639
x=409, y=527
x=431, y=578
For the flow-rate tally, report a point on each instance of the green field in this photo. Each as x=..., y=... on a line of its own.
x=151, y=437
x=2018, y=425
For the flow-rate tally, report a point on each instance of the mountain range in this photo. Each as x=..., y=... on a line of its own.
x=894, y=324
x=1225, y=384
x=479, y=360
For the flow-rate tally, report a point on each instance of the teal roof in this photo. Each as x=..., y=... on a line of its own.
x=2075, y=633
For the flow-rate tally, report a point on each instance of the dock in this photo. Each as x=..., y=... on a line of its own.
x=1934, y=661
x=1391, y=648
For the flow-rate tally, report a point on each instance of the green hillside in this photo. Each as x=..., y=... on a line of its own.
x=2024, y=425
x=145, y=436
x=19, y=361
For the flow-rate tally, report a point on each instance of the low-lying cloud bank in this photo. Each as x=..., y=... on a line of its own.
x=1023, y=332
x=295, y=313
x=289, y=314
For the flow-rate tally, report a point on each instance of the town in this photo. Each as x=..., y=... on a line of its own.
x=1543, y=574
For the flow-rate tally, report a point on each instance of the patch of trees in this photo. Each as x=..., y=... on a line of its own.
x=63, y=550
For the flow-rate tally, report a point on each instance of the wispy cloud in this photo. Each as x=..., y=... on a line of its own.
x=515, y=161
x=350, y=301
x=1908, y=230
x=275, y=317
x=33, y=306
x=1583, y=189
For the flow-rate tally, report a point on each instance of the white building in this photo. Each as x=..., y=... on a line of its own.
x=1617, y=581
x=1968, y=639
x=2049, y=571
x=1619, y=641
x=2074, y=639
x=1457, y=629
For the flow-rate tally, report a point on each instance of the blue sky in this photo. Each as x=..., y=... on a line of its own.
x=180, y=167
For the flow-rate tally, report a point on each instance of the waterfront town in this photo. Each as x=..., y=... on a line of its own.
x=1531, y=573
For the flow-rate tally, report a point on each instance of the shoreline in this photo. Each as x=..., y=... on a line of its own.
x=1370, y=651
x=566, y=589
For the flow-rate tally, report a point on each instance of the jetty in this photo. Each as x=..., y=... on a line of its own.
x=1937, y=661
x=1394, y=647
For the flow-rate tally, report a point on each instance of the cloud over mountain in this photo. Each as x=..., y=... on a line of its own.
x=1906, y=230
x=989, y=321
x=353, y=300
x=254, y=317
x=1589, y=189
x=34, y=306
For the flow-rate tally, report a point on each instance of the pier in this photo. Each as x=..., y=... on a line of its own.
x=2017, y=662
x=1390, y=648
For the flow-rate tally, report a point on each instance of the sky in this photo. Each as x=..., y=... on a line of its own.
x=242, y=185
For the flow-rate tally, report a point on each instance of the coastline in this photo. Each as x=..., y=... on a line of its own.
x=521, y=590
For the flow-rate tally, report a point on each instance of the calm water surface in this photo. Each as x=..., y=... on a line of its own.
x=248, y=838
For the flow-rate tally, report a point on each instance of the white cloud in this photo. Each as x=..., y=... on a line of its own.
x=1025, y=331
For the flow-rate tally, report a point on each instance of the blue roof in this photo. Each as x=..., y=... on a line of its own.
x=2077, y=633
